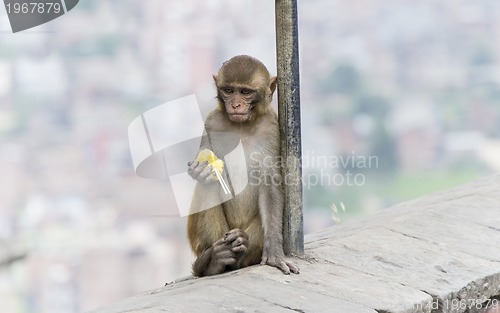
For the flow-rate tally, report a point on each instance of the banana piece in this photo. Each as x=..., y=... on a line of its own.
x=207, y=155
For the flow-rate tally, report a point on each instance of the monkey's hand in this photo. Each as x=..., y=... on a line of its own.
x=273, y=255
x=221, y=257
x=227, y=251
x=202, y=172
x=238, y=241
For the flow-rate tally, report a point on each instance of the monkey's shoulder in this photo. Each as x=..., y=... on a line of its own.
x=268, y=127
x=217, y=121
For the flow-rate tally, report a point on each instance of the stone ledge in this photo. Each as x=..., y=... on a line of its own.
x=439, y=250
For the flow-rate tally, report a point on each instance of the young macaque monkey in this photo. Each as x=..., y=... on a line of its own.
x=246, y=229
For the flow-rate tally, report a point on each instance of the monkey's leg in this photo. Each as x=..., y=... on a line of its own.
x=205, y=231
x=255, y=242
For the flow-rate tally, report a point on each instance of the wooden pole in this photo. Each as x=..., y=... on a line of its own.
x=289, y=119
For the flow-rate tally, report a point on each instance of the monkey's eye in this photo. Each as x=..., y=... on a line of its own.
x=246, y=91
x=228, y=90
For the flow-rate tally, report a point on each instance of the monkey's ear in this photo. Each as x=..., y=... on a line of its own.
x=273, y=84
x=215, y=78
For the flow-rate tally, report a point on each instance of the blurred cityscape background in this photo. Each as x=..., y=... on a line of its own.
x=415, y=84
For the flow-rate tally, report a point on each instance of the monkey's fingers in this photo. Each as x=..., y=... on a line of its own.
x=231, y=238
x=206, y=174
x=196, y=168
x=191, y=166
x=278, y=263
x=225, y=257
x=240, y=248
x=228, y=261
x=233, y=234
x=239, y=241
x=283, y=267
x=293, y=268
x=200, y=171
x=219, y=245
x=200, y=167
x=226, y=253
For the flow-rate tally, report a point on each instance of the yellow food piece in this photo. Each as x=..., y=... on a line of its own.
x=218, y=164
x=207, y=155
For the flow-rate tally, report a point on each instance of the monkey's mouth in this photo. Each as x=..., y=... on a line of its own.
x=239, y=117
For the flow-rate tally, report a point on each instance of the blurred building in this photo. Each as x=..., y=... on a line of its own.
x=95, y=233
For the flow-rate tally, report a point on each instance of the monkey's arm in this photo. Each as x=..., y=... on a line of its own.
x=225, y=252
x=271, y=209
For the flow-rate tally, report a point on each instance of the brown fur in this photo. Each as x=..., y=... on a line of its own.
x=253, y=217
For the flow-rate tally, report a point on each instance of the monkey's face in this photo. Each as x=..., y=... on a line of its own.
x=239, y=102
x=244, y=88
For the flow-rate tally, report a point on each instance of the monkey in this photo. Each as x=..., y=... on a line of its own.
x=247, y=229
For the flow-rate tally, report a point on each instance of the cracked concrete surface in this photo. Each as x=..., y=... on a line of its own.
x=439, y=253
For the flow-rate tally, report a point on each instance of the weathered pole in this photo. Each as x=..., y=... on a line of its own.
x=287, y=47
